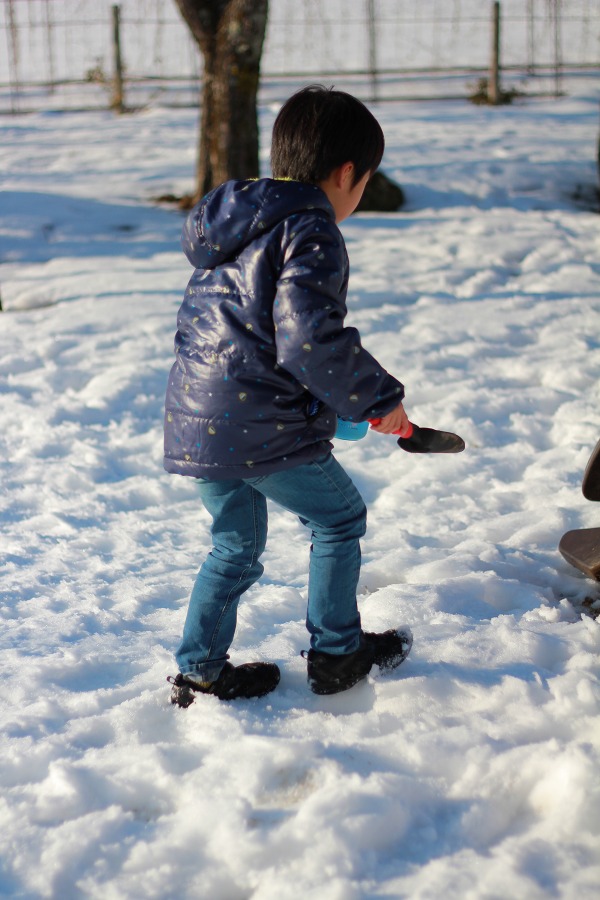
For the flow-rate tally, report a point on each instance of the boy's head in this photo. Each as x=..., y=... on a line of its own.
x=319, y=129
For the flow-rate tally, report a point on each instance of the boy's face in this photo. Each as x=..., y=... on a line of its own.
x=343, y=195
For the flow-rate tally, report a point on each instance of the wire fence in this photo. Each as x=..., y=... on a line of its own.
x=60, y=54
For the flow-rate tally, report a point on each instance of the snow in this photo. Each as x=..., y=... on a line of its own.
x=471, y=771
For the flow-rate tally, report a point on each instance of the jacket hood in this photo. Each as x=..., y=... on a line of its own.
x=235, y=213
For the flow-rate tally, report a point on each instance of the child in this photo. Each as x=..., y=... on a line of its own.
x=264, y=365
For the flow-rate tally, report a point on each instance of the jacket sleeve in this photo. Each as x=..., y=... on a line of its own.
x=313, y=343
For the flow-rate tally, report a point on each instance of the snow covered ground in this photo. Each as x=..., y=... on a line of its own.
x=472, y=771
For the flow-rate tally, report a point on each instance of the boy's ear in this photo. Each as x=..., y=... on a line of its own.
x=344, y=175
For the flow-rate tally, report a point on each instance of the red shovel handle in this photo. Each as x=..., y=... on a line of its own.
x=405, y=434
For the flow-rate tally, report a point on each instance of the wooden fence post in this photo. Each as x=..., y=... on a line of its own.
x=556, y=16
x=494, y=79
x=13, y=57
x=530, y=37
x=372, y=19
x=117, y=98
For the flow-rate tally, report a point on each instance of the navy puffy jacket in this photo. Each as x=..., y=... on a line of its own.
x=263, y=359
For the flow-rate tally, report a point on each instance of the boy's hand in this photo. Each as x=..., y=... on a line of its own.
x=395, y=422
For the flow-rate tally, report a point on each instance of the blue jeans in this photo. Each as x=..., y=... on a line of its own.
x=324, y=498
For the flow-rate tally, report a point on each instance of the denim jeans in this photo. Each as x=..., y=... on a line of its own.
x=324, y=498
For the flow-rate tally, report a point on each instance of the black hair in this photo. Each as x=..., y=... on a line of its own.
x=319, y=129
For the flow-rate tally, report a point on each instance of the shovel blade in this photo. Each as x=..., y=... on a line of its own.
x=430, y=440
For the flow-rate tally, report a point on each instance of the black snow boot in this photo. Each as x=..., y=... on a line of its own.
x=330, y=674
x=248, y=680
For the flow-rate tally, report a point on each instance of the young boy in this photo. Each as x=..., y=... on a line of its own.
x=264, y=365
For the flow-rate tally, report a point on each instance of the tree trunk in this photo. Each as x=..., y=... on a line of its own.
x=230, y=34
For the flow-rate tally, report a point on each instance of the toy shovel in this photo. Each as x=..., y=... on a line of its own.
x=427, y=440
